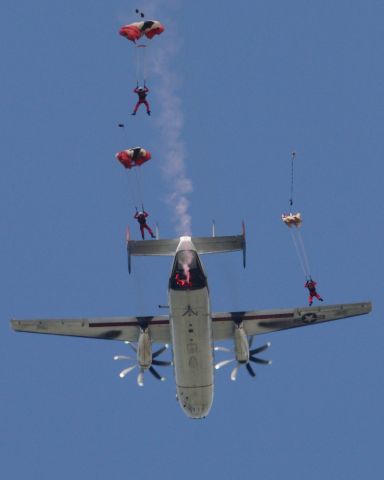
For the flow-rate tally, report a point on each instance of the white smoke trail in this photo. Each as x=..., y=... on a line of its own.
x=170, y=123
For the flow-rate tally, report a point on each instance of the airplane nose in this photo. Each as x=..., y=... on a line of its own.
x=196, y=402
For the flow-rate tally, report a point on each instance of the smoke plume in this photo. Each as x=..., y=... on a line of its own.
x=170, y=122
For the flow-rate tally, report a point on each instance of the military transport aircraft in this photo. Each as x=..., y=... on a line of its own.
x=191, y=327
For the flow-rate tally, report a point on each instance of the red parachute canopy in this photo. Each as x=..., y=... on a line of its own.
x=136, y=30
x=133, y=157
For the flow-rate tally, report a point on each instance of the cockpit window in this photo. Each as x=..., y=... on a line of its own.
x=187, y=273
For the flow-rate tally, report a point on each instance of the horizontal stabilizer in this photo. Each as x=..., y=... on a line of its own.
x=232, y=243
x=203, y=245
x=165, y=247
x=168, y=247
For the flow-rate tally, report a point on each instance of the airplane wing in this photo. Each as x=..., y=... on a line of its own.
x=267, y=321
x=107, y=328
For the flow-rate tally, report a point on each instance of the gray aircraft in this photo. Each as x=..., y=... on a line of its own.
x=191, y=328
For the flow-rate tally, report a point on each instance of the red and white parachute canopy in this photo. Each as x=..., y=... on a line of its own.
x=292, y=219
x=133, y=157
x=136, y=30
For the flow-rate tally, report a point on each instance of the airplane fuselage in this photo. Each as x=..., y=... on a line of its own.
x=191, y=330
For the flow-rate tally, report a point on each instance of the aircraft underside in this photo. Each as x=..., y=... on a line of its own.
x=191, y=331
x=191, y=327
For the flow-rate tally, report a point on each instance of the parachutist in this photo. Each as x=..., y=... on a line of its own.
x=142, y=94
x=311, y=285
x=121, y=125
x=183, y=280
x=141, y=217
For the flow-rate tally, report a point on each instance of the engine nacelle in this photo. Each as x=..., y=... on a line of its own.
x=241, y=344
x=144, y=349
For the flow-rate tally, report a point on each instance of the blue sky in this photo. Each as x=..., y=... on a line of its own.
x=254, y=80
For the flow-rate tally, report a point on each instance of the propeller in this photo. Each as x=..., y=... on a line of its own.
x=251, y=358
x=143, y=368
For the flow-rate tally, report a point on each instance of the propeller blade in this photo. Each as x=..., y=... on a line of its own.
x=140, y=378
x=160, y=351
x=156, y=374
x=250, y=370
x=224, y=362
x=122, y=357
x=261, y=361
x=124, y=372
x=250, y=341
x=234, y=373
x=222, y=349
x=163, y=363
x=131, y=345
x=260, y=349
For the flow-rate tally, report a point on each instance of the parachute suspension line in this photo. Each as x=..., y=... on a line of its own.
x=140, y=64
x=132, y=186
x=293, y=155
x=294, y=239
x=301, y=252
x=304, y=253
x=144, y=63
x=295, y=228
x=137, y=66
x=138, y=183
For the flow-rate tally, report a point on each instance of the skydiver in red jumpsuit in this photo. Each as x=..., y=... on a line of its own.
x=183, y=279
x=311, y=285
x=141, y=217
x=142, y=94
